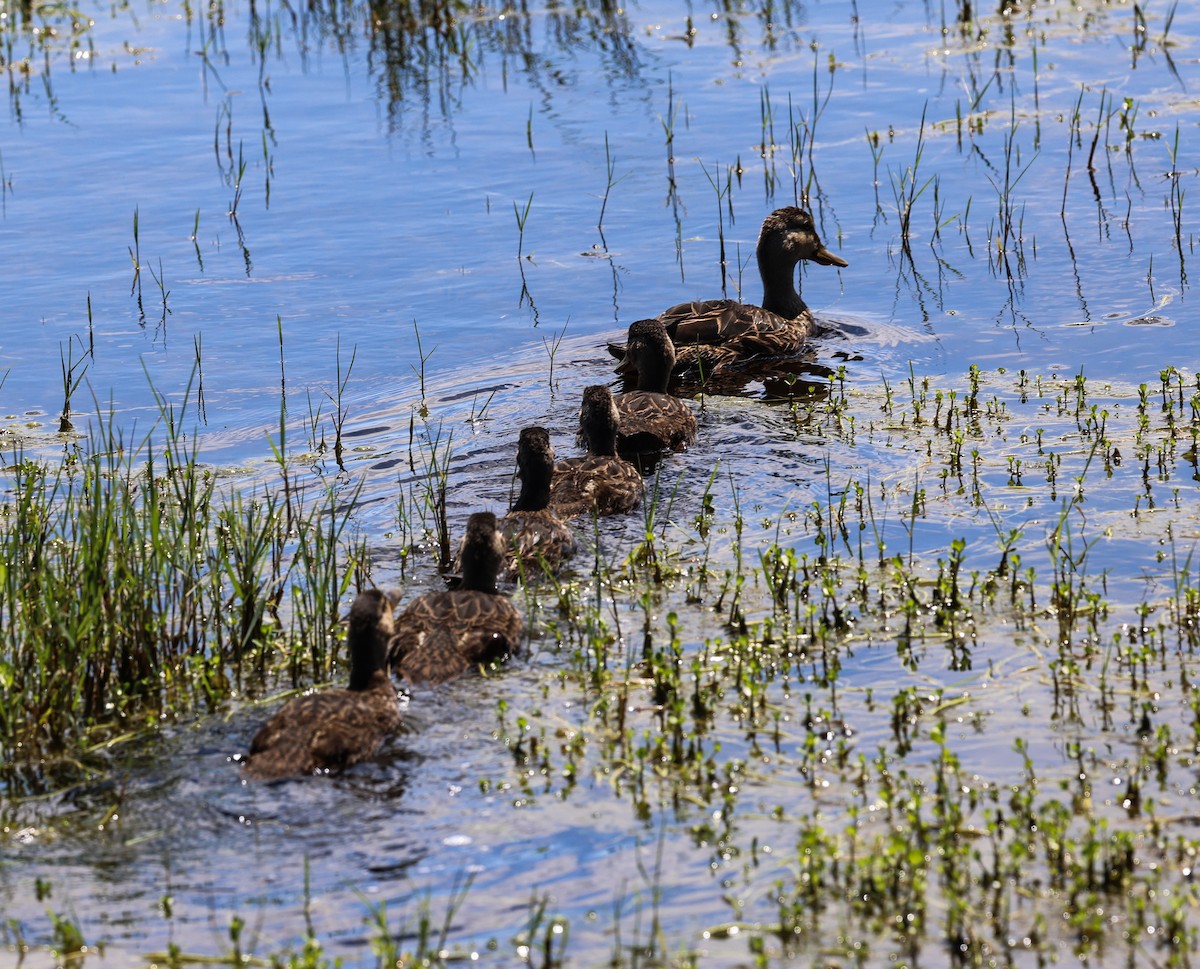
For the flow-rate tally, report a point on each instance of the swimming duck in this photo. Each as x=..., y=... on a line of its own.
x=537, y=538
x=331, y=730
x=600, y=483
x=709, y=334
x=441, y=635
x=650, y=419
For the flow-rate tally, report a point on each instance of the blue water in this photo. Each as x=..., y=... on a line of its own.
x=368, y=221
x=383, y=216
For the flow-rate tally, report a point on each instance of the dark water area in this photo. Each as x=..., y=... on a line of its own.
x=315, y=188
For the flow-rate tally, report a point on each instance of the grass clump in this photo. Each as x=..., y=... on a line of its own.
x=132, y=587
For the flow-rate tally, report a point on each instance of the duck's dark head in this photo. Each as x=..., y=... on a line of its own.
x=535, y=466
x=789, y=233
x=598, y=421
x=482, y=553
x=370, y=633
x=650, y=353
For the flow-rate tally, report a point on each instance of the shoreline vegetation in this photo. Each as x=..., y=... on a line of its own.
x=707, y=655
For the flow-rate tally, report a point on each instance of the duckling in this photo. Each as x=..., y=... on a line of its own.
x=651, y=420
x=709, y=334
x=537, y=538
x=600, y=483
x=331, y=730
x=441, y=635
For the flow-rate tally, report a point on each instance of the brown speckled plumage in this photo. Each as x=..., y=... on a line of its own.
x=440, y=635
x=536, y=537
x=330, y=730
x=651, y=419
x=600, y=483
x=709, y=334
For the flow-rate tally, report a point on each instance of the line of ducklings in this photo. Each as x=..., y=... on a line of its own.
x=440, y=635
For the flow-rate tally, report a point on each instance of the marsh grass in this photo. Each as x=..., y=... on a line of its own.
x=526, y=296
x=134, y=588
x=910, y=819
x=73, y=372
x=163, y=293
x=419, y=370
x=552, y=346
x=717, y=654
x=611, y=182
x=421, y=514
x=338, y=399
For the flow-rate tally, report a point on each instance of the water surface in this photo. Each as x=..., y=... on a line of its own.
x=356, y=184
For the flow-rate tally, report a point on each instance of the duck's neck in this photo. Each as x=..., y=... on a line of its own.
x=778, y=272
x=479, y=573
x=535, y=488
x=654, y=371
x=602, y=440
x=366, y=658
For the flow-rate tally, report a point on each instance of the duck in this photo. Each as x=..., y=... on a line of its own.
x=710, y=334
x=600, y=483
x=536, y=537
x=651, y=419
x=441, y=635
x=327, y=731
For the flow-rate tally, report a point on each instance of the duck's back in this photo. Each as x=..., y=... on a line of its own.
x=326, y=731
x=595, y=484
x=652, y=421
x=441, y=635
x=536, y=539
x=714, y=321
x=725, y=321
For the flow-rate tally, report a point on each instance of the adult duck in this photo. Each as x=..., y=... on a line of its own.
x=651, y=419
x=601, y=483
x=713, y=333
x=536, y=537
x=330, y=730
x=440, y=635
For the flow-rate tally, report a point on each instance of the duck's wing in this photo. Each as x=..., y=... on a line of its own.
x=698, y=363
x=435, y=659
x=536, y=539
x=355, y=731
x=490, y=627
x=418, y=617
x=717, y=321
x=709, y=322
x=652, y=422
x=769, y=341
x=595, y=484
x=704, y=344
x=441, y=635
x=280, y=748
